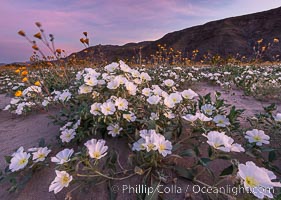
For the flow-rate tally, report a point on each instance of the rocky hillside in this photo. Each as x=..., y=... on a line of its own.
x=223, y=37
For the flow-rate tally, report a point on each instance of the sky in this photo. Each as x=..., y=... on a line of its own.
x=108, y=21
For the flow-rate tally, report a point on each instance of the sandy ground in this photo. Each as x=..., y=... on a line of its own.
x=26, y=131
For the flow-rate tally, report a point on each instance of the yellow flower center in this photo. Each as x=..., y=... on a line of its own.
x=216, y=145
x=96, y=154
x=116, y=130
x=64, y=180
x=41, y=155
x=250, y=181
x=162, y=147
x=22, y=161
x=257, y=138
x=220, y=121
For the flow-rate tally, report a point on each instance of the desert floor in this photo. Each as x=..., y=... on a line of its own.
x=16, y=131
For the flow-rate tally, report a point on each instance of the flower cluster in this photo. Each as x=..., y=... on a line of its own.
x=152, y=141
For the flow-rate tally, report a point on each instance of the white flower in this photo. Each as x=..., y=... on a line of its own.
x=114, y=129
x=45, y=103
x=175, y=97
x=108, y=108
x=221, y=121
x=77, y=124
x=131, y=87
x=19, y=150
x=135, y=73
x=147, y=133
x=163, y=146
x=257, y=136
x=139, y=145
x=190, y=117
x=67, y=125
x=258, y=180
x=157, y=90
x=154, y=99
x=154, y=116
x=14, y=101
x=32, y=88
x=169, y=82
x=62, y=180
x=84, y=89
x=219, y=140
x=19, y=160
x=95, y=109
x=199, y=116
x=189, y=94
x=208, y=109
x=122, y=104
x=40, y=154
x=120, y=79
x=65, y=95
x=203, y=117
x=62, y=156
x=145, y=76
x=172, y=99
x=146, y=92
x=96, y=148
x=111, y=67
x=79, y=75
x=67, y=135
x=7, y=107
x=92, y=72
x=150, y=140
x=90, y=80
x=130, y=117
x=277, y=117
x=113, y=84
x=137, y=81
x=124, y=67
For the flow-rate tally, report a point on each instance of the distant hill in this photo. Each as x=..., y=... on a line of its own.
x=223, y=37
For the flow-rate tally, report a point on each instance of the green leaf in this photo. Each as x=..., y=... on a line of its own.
x=227, y=171
x=210, y=151
x=224, y=157
x=112, y=194
x=42, y=142
x=185, y=173
x=8, y=159
x=188, y=153
x=204, y=161
x=271, y=156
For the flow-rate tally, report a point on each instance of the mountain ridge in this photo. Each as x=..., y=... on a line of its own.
x=224, y=37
